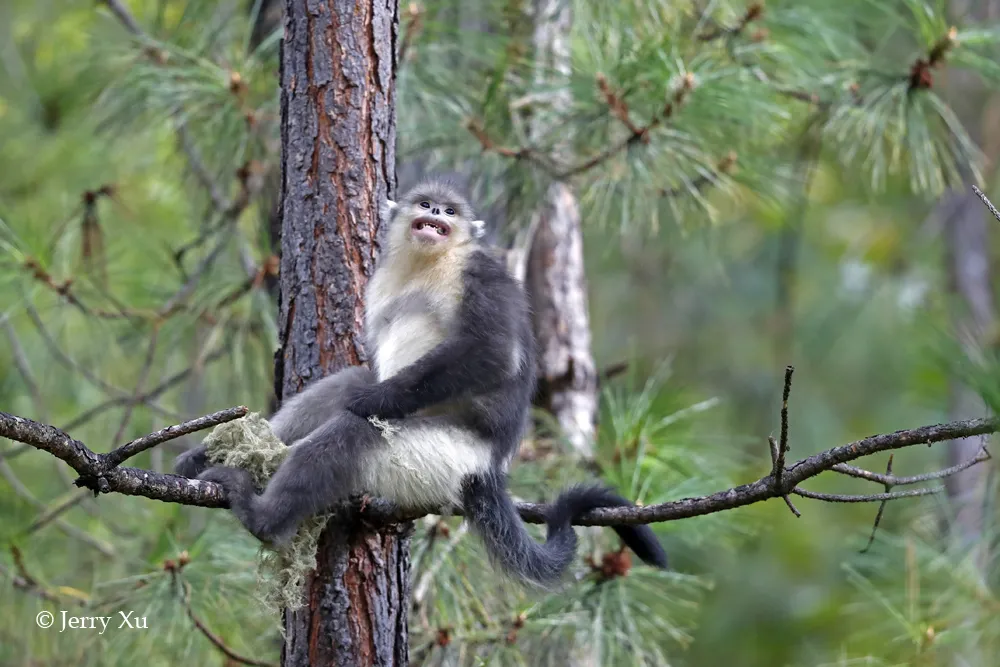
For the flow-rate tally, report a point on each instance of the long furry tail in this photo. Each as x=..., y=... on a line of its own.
x=493, y=515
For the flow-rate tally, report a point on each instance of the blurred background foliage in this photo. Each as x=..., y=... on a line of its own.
x=769, y=193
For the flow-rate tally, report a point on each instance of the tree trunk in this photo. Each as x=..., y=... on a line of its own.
x=967, y=239
x=557, y=282
x=338, y=164
x=966, y=226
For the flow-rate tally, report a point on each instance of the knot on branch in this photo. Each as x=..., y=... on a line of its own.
x=96, y=482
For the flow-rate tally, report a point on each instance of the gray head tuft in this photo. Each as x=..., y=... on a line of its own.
x=444, y=190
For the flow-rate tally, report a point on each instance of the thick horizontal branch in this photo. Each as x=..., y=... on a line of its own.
x=95, y=474
x=99, y=472
x=763, y=489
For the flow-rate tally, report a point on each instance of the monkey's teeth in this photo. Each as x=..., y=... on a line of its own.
x=440, y=231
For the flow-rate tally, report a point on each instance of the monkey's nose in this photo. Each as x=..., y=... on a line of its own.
x=436, y=211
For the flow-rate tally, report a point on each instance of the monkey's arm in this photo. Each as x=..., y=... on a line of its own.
x=477, y=358
x=309, y=409
x=298, y=416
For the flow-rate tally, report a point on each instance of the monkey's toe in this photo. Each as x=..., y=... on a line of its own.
x=237, y=482
x=191, y=463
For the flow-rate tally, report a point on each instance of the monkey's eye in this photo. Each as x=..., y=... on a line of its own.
x=425, y=204
x=450, y=211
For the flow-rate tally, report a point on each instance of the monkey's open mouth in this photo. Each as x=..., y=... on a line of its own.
x=429, y=228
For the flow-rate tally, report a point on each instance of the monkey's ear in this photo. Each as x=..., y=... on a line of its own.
x=391, y=205
x=478, y=228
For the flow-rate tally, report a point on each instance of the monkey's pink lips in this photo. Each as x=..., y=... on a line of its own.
x=429, y=229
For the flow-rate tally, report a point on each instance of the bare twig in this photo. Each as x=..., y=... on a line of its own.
x=127, y=451
x=637, y=133
x=23, y=366
x=52, y=513
x=612, y=371
x=23, y=579
x=143, y=376
x=197, y=165
x=881, y=507
x=69, y=529
x=890, y=480
x=414, y=22
x=779, y=448
x=774, y=462
x=125, y=17
x=475, y=127
x=867, y=498
x=617, y=105
x=425, y=581
x=986, y=200
x=779, y=462
x=121, y=397
x=181, y=295
x=215, y=639
x=28, y=586
x=149, y=396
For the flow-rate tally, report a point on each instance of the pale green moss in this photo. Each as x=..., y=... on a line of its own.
x=249, y=443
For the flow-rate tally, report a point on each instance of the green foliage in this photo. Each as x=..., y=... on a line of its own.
x=751, y=186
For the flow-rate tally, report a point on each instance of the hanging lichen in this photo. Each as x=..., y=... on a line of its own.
x=250, y=444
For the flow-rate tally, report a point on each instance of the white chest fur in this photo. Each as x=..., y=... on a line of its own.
x=400, y=338
x=412, y=304
x=425, y=463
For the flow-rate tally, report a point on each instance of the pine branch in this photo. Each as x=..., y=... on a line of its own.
x=97, y=475
x=99, y=472
x=753, y=12
x=127, y=451
x=125, y=17
x=865, y=498
x=881, y=507
x=890, y=480
x=215, y=639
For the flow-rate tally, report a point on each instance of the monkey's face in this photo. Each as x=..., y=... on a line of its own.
x=433, y=224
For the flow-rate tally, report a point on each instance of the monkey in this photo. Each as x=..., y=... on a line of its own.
x=437, y=421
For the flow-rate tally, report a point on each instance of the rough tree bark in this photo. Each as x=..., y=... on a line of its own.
x=556, y=280
x=338, y=131
x=975, y=319
x=967, y=237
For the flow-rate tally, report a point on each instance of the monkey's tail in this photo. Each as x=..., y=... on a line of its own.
x=494, y=516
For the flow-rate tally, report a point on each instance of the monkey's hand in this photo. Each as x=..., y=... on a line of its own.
x=377, y=400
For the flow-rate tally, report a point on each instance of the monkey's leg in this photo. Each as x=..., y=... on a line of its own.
x=306, y=411
x=300, y=414
x=322, y=468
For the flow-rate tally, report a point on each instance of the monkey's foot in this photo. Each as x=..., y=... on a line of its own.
x=192, y=462
x=269, y=526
